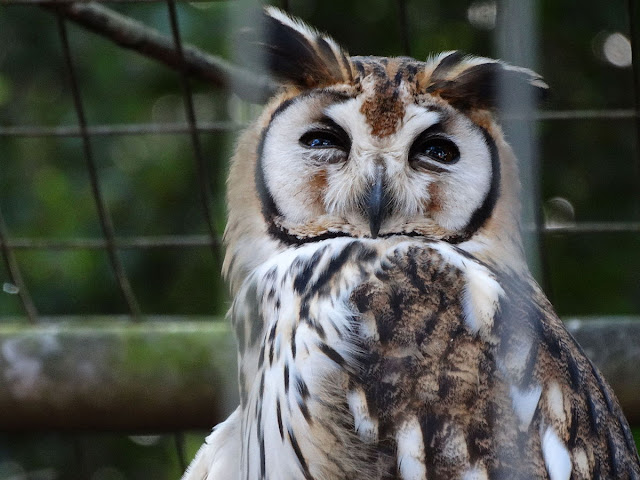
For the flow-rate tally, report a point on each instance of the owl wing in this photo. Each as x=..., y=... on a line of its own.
x=577, y=414
x=468, y=373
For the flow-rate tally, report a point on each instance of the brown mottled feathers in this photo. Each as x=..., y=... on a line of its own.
x=426, y=364
x=591, y=420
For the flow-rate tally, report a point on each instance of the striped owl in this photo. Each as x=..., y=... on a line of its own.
x=387, y=324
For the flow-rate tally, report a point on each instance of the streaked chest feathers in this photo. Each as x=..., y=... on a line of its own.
x=409, y=359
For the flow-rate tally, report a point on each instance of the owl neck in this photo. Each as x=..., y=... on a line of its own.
x=503, y=251
x=498, y=241
x=507, y=256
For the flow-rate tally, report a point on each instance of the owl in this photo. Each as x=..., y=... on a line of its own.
x=387, y=324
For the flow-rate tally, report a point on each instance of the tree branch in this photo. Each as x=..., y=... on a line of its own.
x=133, y=35
x=172, y=373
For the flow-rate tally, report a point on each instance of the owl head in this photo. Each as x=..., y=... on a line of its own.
x=373, y=147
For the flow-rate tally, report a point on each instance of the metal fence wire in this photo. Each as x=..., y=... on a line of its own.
x=195, y=66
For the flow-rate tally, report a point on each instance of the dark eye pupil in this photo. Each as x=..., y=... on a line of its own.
x=439, y=153
x=441, y=150
x=324, y=139
x=429, y=150
x=321, y=142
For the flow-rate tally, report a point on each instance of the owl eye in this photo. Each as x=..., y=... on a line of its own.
x=328, y=135
x=441, y=150
x=320, y=139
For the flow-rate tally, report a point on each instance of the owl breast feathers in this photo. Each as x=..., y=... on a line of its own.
x=387, y=324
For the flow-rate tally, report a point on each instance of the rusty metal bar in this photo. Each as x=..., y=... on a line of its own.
x=103, y=214
x=134, y=35
x=203, y=174
x=178, y=438
x=197, y=241
x=593, y=227
x=614, y=114
x=62, y=2
x=15, y=275
x=515, y=38
x=404, y=27
x=113, y=130
x=165, y=241
x=80, y=456
x=633, y=8
x=214, y=127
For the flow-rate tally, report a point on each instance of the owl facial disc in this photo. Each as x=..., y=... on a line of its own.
x=327, y=166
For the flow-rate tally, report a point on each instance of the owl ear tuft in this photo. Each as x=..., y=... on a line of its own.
x=297, y=54
x=476, y=83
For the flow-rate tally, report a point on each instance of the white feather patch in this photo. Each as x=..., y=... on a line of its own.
x=581, y=463
x=556, y=456
x=481, y=294
x=368, y=328
x=513, y=363
x=411, y=451
x=291, y=22
x=480, y=300
x=455, y=448
x=219, y=456
x=525, y=403
x=366, y=427
x=555, y=402
x=476, y=473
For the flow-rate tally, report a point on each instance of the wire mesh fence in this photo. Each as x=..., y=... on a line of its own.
x=100, y=189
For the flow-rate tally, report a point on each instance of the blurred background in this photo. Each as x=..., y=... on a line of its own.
x=115, y=357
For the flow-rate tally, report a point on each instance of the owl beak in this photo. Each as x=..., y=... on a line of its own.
x=376, y=201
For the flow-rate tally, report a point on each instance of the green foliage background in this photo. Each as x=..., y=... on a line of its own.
x=150, y=181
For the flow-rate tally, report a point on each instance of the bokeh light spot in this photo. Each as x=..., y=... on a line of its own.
x=482, y=15
x=616, y=50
